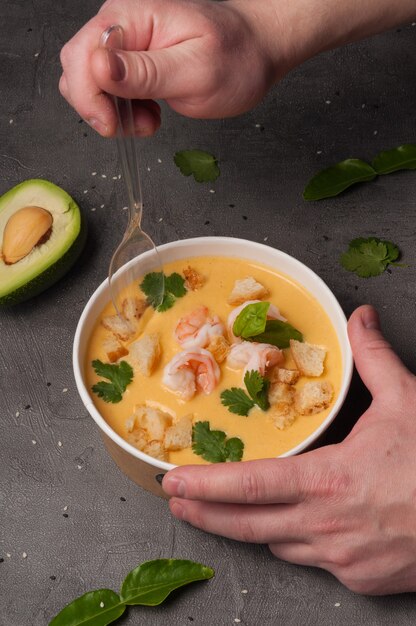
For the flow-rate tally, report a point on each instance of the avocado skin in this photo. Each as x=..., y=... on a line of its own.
x=51, y=275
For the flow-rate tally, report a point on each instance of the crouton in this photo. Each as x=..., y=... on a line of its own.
x=282, y=375
x=314, y=397
x=219, y=348
x=145, y=353
x=194, y=280
x=138, y=438
x=153, y=421
x=282, y=415
x=113, y=349
x=133, y=308
x=281, y=393
x=119, y=326
x=156, y=450
x=246, y=289
x=309, y=359
x=179, y=436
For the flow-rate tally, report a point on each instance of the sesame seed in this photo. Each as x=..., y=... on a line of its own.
x=36, y=54
x=103, y=176
x=8, y=555
x=265, y=239
x=17, y=413
x=375, y=132
x=79, y=466
x=101, y=206
x=160, y=219
x=85, y=190
x=319, y=152
x=119, y=176
x=337, y=604
x=363, y=106
x=244, y=591
x=93, y=208
x=258, y=125
x=65, y=389
x=115, y=177
x=65, y=507
x=237, y=620
x=148, y=169
x=24, y=555
x=125, y=208
x=102, y=605
x=93, y=173
x=60, y=444
x=10, y=121
x=413, y=23
x=159, y=160
x=34, y=441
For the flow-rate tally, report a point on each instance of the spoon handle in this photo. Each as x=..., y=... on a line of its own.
x=112, y=38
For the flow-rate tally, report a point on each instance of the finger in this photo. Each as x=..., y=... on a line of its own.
x=243, y=522
x=253, y=482
x=380, y=368
x=146, y=117
x=162, y=74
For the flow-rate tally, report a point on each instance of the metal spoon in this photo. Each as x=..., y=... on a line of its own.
x=136, y=255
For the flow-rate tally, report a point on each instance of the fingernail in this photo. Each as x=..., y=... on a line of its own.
x=174, y=486
x=98, y=126
x=370, y=319
x=116, y=65
x=177, y=510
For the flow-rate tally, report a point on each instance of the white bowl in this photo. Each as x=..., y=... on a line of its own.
x=143, y=469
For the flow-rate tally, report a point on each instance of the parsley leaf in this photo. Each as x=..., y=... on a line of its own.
x=202, y=165
x=161, y=291
x=213, y=445
x=237, y=401
x=258, y=388
x=369, y=257
x=251, y=320
x=119, y=376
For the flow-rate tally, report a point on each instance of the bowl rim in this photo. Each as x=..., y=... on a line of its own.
x=212, y=239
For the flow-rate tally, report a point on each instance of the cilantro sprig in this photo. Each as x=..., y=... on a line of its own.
x=214, y=446
x=252, y=324
x=162, y=291
x=120, y=375
x=202, y=165
x=239, y=402
x=369, y=257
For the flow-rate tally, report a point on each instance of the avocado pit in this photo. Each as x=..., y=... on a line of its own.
x=29, y=227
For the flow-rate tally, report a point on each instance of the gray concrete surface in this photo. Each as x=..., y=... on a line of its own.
x=80, y=522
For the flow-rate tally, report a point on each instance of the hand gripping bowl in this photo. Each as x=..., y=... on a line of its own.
x=146, y=470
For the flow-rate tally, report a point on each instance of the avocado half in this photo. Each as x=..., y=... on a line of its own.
x=53, y=254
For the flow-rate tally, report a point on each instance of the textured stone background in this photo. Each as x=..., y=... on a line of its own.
x=351, y=102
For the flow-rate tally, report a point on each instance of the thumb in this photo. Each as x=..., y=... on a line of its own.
x=155, y=74
x=379, y=367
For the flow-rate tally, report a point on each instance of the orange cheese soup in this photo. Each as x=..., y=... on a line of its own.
x=258, y=431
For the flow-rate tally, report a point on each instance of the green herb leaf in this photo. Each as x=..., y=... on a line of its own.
x=369, y=257
x=251, y=321
x=203, y=165
x=213, y=446
x=333, y=180
x=401, y=158
x=95, y=608
x=278, y=334
x=151, y=582
x=161, y=291
x=120, y=375
x=237, y=401
x=258, y=388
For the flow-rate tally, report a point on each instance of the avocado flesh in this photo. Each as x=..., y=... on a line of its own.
x=46, y=263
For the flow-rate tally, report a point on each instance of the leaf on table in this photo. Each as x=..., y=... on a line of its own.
x=151, y=582
x=213, y=445
x=95, y=608
x=335, y=179
x=202, y=165
x=369, y=257
x=400, y=158
x=120, y=376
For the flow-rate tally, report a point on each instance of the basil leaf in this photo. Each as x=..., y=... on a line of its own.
x=278, y=334
x=95, y=608
x=251, y=320
x=333, y=180
x=401, y=158
x=151, y=582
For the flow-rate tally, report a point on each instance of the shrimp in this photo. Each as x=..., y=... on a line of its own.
x=196, y=329
x=254, y=356
x=272, y=314
x=190, y=371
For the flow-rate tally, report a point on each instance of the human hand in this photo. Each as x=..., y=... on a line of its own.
x=206, y=59
x=348, y=508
